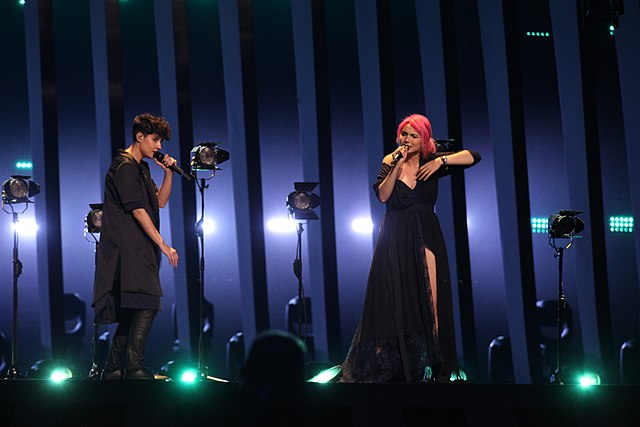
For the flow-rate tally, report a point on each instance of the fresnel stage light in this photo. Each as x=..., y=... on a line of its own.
x=565, y=224
x=18, y=189
x=93, y=221
x=302, y=201
x=207, y=156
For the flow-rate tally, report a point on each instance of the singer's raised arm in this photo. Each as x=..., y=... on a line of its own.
x=164, y=191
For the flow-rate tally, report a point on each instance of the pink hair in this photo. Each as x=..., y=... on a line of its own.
x=422, y=125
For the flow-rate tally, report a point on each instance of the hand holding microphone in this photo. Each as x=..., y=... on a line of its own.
x=159, y=157
x=399, y=154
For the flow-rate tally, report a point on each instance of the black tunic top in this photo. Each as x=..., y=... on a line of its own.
x=127, y=260
x=396, y=339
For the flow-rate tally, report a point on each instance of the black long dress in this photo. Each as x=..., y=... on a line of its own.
x=396, y=339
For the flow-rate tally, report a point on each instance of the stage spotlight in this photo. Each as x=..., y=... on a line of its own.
x=184, y=371
x=18, y=189
x=189, y=375
x=61, y=374
x=93, y=221
x=327, y=375
x=207, y=156
x=588, y=379
x=26, y=227
x=461, y=375
x=50, y=369
x=281, y=225
x=362, y=225
x=565, y=224
x=301, y=201
x=209, y=226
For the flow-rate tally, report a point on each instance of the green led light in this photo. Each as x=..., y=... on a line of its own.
x=61, y=374
x=460, y=376
x=24, y=165
x=539, y=225
x=189, y=376
x=588, y=379
x=538, y=34
x=22, y=2
x=326, y=375
x=621, y=224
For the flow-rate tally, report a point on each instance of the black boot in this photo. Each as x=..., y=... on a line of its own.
x=139, y=374
x=138, y=333
x=114, y=368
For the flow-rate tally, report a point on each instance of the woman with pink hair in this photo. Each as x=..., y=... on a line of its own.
x=407, y=320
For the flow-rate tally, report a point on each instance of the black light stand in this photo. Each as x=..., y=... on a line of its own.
x=297, y=271
x=205, y=157
x=93, y=224
x=14, y=372
x=94, y=372
x=199, y=228
x=16, y=190
x=564, y=225
x=557, y=377
x=300, y=203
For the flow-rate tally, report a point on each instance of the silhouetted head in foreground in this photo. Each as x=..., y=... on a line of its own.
x=272, y=382
x=275, y=361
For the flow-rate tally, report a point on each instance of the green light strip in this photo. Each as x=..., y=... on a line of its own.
x=24, y=165
x=538, y=34
x=539, y=225
x=621, y=224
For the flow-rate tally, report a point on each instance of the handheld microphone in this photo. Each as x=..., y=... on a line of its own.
x=397, y=157
x=159, y=156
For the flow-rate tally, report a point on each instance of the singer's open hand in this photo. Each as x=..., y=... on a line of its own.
x=167, y=162
x=428, y=169
x=172, y=254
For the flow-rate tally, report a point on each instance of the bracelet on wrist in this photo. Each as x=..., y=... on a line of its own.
x=444, y=160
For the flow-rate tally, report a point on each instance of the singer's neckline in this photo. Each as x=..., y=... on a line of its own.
x=129, y=152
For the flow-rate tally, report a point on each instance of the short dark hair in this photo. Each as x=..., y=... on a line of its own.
x=148, y=124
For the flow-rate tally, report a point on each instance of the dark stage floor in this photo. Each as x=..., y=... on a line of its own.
x=159, y=403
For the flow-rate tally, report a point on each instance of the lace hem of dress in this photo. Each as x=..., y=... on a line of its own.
x=379, y=361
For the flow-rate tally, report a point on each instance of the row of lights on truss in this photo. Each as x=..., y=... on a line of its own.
x=617, y=224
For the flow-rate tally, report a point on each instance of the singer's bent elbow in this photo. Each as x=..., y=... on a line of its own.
x=138, y=213
x=383, y=199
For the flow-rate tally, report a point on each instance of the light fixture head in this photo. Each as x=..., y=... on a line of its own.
x=301, y=201
x=207, y=156
x=51, y=369
x=93, y=221
x=18, y=189
x=565, y=224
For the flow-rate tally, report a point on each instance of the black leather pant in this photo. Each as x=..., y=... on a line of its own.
x=127, y=346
